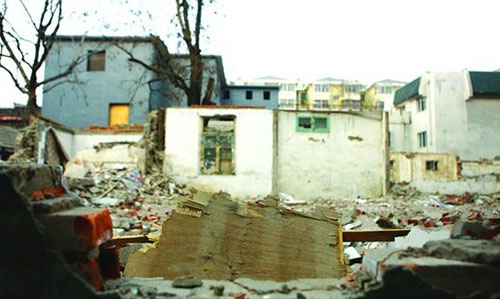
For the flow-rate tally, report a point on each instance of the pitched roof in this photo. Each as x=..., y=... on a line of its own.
x=7, y=137
x=406, y=92
x=485, y=84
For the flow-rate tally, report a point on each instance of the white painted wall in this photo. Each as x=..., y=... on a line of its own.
x=330, y=165
x=399, y=122
x=84, y=141
x=483, y=129
x=253, y=146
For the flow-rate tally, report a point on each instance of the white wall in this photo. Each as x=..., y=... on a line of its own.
x=253, y=146
x=332, y=165
x=84, y=141
x=483, y=129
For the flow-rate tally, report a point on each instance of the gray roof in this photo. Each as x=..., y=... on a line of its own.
x=7, y=137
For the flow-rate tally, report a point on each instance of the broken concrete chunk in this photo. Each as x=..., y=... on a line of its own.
x=475, y=251
x=187, y=282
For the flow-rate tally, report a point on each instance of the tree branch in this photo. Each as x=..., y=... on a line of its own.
x=198, y=25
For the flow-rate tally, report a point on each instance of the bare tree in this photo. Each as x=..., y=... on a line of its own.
x=168, y=66
x=22, y=56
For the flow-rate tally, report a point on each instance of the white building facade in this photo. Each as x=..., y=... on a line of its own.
x=448, y=112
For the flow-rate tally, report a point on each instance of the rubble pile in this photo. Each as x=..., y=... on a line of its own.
x=406, y=207
x=138, y=204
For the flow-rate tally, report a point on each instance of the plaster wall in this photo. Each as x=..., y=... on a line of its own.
x=346, y=162
x=253, y=150
x=483, y=167
x=483, y=125
x=409, y=167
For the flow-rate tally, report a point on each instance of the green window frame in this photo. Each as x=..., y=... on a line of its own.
x=312, y=124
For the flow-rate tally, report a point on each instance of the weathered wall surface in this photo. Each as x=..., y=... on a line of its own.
x=345, y=162
x=86, y=103
x=84, y=141
x=487, y=184
x=407, y=167
x=483, y=137
x=483, y=167
x=253, y=146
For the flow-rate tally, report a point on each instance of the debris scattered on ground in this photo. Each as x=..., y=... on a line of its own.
x=138, y=204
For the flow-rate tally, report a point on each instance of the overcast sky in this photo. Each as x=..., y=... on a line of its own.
x=366, y=40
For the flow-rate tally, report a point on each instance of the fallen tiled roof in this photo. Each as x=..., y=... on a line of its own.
x=7, y=137
x=406, y=92
x=485, y=84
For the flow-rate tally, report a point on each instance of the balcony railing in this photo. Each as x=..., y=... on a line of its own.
x=325, y=106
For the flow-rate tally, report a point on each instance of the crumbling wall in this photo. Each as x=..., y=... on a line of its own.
x=407, y=167
x=26, y=144
x=482, y=167
x=153, y=140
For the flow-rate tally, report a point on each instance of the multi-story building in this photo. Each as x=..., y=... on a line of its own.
x=380, y=95
x=448, y=112
x=251, y=95
x=287, y=94
x=330, y=94
x=107, y=88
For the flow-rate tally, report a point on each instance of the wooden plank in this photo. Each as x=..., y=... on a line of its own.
x=383, y=235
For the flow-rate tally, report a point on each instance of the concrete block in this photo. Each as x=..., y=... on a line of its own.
x=55, y=204
x=77, y=230
x=28, y=178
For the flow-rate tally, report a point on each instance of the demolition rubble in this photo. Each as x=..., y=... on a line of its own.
x=191, y=243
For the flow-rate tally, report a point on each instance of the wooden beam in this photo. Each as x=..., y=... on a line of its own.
x=131, y=239
x=383, y=235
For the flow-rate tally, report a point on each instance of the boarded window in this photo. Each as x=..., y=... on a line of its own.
x=431, y=165
x=217, y=146
x=318, y=124
x=118, y=114
x=96, y=61
x=267, y=95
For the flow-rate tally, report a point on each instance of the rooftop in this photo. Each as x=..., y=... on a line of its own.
x=485, y=84
x=407, y=92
